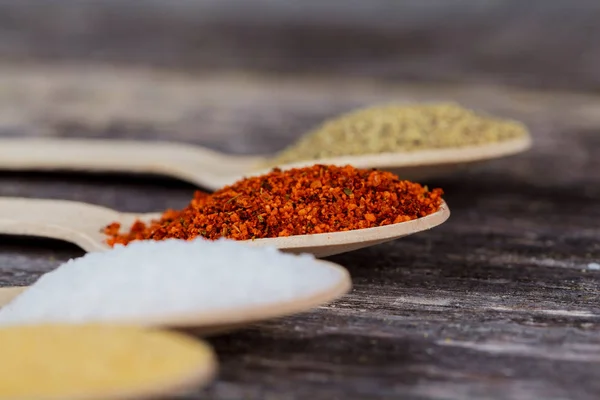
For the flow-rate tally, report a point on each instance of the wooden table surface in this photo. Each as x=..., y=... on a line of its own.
x=500, y=302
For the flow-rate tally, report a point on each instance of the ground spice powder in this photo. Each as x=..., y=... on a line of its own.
x=300, y=201
x=400, y=128
x=55, y=361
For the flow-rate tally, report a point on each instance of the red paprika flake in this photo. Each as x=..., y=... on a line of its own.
x=316, y=199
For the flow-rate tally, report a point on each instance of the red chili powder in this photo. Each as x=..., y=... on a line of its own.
x=315, y=199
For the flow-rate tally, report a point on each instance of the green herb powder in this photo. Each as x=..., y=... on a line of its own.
x=400, y=128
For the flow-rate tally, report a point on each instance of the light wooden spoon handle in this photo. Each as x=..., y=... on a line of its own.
x=74, y=222
x=191, y=163
x=97, y=154
x=9, y=293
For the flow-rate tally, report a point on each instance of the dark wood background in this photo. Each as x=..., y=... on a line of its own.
x=542, y=43
x=500, y=302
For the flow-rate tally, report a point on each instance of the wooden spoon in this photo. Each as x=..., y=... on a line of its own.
x=82, y=224
x=89, y=358
x=213, y=170
x=209, y=321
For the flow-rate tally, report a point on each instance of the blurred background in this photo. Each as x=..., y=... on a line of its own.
x=508, y=41
x=251, y=76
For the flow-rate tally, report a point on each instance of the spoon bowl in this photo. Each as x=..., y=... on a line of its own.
x=212, y=170
x=422, y=164
x=89, y=357
x=206, y=320
x=82, y=224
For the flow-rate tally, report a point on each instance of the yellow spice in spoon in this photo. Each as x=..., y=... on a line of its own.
x=98, y=362
x=400, y=128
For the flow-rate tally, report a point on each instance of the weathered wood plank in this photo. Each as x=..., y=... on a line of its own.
x=497, y=303
x=504, y=41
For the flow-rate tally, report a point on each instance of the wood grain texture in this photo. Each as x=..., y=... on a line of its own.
x=501, y=302
x=507, y=41
x=497, y=303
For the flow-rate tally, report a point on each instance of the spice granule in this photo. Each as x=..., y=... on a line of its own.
x=316, y=199
x=399, y=128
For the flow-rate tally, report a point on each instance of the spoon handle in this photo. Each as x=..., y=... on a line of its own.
x=191, y=163
x=86, y=155
x=71, y=221
x=9, y=293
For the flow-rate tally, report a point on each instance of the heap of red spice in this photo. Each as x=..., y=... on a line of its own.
x=315, y=199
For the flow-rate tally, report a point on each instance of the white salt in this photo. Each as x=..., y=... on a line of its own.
x=160, y=279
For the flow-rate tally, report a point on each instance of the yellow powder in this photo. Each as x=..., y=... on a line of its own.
x=400, y=128
x=97, y=362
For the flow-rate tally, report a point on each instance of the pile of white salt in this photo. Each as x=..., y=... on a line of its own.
x=154, y=280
